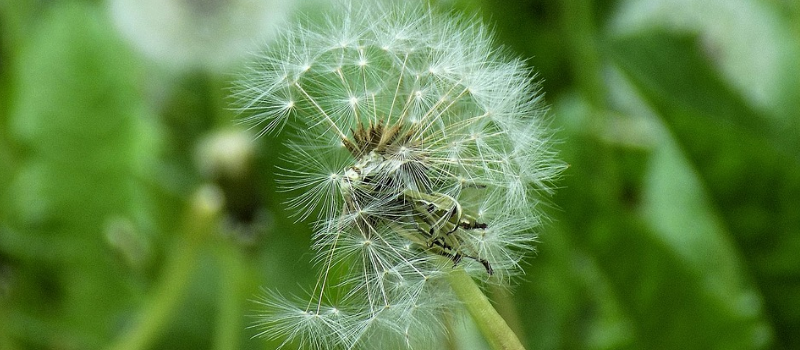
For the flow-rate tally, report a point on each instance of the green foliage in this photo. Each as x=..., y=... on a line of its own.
x=675, y=226
x=78, y=123
x=749, y=166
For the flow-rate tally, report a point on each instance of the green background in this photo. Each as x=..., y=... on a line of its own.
x=676, y=225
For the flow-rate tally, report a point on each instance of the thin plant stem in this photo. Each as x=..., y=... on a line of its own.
x=229, y=319
x=175, y=280
x=165, y=300
x=492, y=326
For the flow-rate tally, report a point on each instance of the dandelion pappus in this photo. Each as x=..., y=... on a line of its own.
x=417, y=138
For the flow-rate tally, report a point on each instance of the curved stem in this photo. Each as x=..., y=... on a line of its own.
x=492, y=326
x=166, y=297
x=201, y=220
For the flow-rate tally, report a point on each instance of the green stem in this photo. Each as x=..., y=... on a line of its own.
x=492, y=326
x=166, y=297
x=200, y=222
x=229, y=320
x=233, y=268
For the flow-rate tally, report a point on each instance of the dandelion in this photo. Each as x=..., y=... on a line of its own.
x=422, y=150
x=225, y=154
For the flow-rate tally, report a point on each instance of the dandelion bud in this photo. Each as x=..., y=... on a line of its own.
x=225, y=154
x=421, y=147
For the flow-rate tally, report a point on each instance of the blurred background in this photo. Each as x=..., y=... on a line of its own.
x=137, y=212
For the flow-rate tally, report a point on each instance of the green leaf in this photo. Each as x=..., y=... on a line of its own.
x=750, y=167
x=673, y=73
x=613, y=275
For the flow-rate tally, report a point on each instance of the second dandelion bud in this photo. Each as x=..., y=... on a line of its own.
x=421, y=147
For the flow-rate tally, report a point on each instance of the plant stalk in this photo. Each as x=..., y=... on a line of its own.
x=156, y=314
x=494, y=329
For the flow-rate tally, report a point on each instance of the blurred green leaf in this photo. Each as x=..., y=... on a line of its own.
x=614, y=275
x=683, y=239
x=674, y=74
x=749, y=167
x=78, y=114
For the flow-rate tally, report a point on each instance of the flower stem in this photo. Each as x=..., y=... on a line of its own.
x=155, y=315
x=492, y=326
x=229, y=320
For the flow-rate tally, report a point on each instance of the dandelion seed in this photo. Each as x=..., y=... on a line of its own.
x=421, y=147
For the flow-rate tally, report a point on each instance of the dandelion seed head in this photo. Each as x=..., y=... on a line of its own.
x=420, y=145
